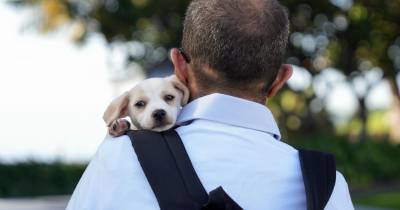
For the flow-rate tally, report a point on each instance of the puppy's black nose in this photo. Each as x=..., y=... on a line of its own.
x=159, y=114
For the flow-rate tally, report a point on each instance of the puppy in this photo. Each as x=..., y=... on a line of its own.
x=153, y=104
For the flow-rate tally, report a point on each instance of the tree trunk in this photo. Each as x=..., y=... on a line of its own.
x=394, y=112
x=395, y=87
x=363, y=114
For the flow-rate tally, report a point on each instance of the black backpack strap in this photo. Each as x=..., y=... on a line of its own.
x=319, y=175
x=168, y=170
x=188, y=174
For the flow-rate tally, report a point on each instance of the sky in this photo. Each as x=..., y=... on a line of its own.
x=53, y=93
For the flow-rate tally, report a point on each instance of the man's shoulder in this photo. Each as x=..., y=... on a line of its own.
x=114, y=152
x=114, y=145
x=340, y=197
x=110, y=141
x=114, y=170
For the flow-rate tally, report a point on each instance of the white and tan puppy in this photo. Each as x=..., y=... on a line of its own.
x=153, y=104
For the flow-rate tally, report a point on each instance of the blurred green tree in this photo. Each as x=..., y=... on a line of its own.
x=360, y=38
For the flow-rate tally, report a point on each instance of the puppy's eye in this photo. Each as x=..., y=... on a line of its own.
x=140, y=104
x=169, y=97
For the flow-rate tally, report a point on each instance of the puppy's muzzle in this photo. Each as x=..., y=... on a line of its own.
x=159, y=115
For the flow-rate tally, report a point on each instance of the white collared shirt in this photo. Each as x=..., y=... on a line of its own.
x=232, y=142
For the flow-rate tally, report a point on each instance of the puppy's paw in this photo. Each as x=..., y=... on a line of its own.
x=118, y=127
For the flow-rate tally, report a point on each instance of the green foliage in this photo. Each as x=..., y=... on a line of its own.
x=156, y=21
x=385, y=200
x=35, y=178
x=364, y=164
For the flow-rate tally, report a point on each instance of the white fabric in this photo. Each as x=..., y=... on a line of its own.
x=233, y=143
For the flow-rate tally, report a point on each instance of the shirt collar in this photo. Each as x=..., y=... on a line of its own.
x=230, y=110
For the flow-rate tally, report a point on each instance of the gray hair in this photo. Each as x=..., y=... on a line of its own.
x=234, y=43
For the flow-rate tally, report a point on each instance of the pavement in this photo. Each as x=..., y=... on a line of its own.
x=60, y=202
x=370, y=208
x=36, y=203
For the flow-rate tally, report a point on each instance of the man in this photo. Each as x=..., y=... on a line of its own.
x=232, y=63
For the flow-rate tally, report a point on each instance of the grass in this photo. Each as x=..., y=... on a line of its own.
x=385, y=200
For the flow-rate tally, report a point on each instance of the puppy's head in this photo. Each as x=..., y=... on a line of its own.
x=152, y=105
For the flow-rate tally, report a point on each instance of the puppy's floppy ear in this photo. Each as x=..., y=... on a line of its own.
x=181, y=87
x=117, y=109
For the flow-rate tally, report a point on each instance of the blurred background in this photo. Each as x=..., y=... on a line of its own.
x=63, y=61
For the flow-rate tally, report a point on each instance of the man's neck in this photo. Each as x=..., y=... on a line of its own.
x=197, y=91
x=237, y=93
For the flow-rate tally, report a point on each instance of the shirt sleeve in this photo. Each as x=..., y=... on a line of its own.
x=340, y=198
x=82, y=195
x=113, y=180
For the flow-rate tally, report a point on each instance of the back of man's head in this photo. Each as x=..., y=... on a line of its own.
x=235, y=43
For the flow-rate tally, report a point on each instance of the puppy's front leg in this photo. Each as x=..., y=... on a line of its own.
x=119, y=127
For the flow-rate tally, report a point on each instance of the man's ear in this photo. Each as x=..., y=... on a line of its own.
x=117, y=109
x=180, y=87
x=180, y=66
x=284, y=73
